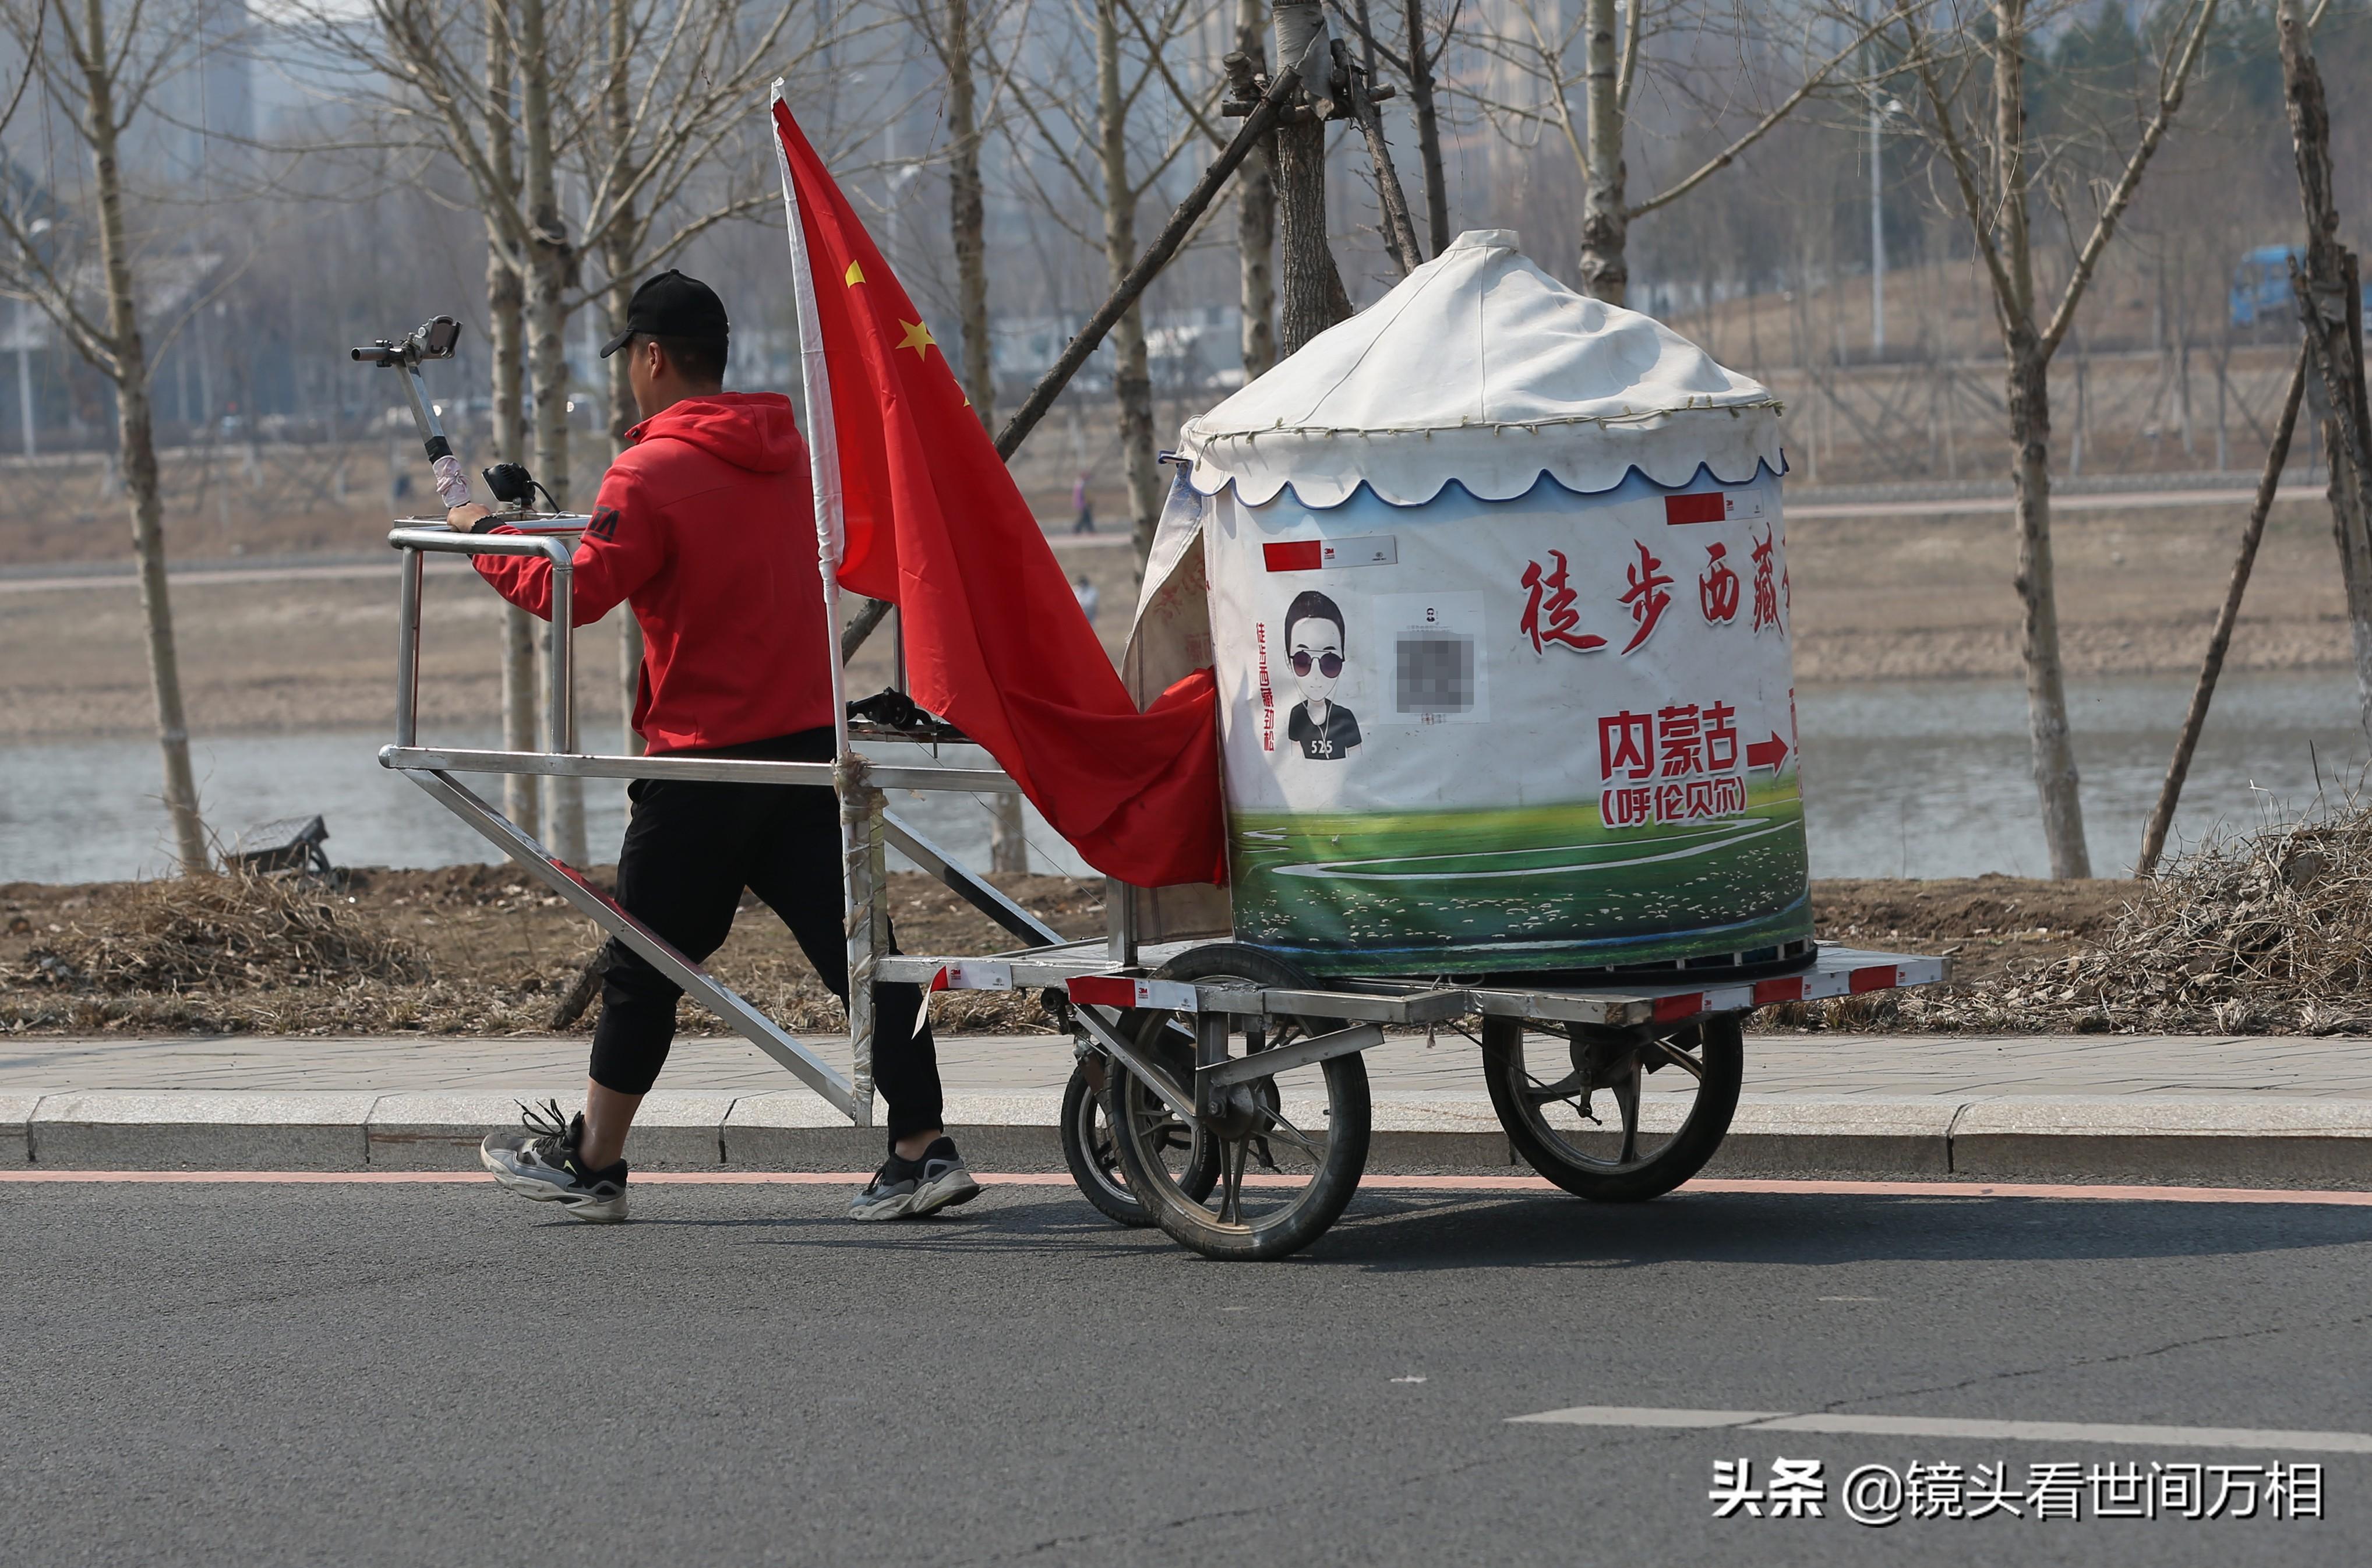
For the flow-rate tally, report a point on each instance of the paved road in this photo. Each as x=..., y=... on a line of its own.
x=369, y=1373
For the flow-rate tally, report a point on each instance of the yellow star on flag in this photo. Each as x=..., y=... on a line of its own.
x=855, y=276
x=919, y=339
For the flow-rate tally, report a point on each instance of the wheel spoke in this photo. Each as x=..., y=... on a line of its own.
x=1158, y=1136
x=1292, y=1134
x=1231, y=1166
x=1626, y=1099
x=1680, y=1058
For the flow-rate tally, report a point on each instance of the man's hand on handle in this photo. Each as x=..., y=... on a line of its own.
x=465, y=518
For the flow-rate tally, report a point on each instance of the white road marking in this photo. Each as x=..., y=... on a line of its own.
x=1948, y=1426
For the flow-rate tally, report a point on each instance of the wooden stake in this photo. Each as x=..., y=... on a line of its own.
x=1398, y=228
x=2277, y=457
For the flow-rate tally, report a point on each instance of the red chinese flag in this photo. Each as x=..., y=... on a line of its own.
x=996, y=642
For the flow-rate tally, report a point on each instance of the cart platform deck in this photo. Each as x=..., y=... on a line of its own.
x=1085, y=972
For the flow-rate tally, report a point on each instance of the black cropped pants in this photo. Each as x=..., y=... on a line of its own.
x=691, y=846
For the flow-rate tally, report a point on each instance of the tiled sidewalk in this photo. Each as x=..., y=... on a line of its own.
x=1962, y=1066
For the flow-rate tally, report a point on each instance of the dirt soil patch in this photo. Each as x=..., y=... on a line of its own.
x=1986, y=924
x=473, y=950
x=483, y=950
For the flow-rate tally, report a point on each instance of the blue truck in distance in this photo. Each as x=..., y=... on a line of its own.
x=2261, y=285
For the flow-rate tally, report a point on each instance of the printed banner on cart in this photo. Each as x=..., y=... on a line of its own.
x=1554, y=732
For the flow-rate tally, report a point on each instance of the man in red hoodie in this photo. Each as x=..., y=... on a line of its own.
x=705, y=525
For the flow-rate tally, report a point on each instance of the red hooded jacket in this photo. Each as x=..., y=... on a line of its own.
x=707, y=526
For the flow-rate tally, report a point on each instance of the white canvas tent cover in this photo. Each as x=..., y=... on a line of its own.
x=1482, y=368
x=1478, y=368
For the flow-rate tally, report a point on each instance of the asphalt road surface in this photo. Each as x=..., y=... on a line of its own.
x=342, y=1373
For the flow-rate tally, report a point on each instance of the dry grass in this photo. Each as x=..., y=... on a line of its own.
x=2267, y=931
x=275, y=954
x=234, y=932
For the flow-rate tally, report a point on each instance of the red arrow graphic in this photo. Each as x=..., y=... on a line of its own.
x=1767, y=753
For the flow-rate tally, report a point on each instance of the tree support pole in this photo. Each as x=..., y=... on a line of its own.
x=1256, y=126
x=2277, y=457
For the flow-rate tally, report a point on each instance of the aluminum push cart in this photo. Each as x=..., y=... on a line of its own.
x=1218, y=1093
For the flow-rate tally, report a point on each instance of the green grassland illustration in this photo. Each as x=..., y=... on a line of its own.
x=1523, y=887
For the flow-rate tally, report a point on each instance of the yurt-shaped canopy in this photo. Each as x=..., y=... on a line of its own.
x=1497, y=599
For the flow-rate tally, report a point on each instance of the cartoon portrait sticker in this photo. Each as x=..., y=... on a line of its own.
x=1325, y=731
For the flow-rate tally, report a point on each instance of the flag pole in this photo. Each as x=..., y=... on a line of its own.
x=861, y=854
x=823, y=446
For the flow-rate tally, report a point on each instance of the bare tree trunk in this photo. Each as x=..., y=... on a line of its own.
x=1312, y=296
x=2351, y=512
x=2182, y=382
x=2046, y=692
x=967, y=217
x=1133, y=375
x=1256, y=217
x=1008, y=850
x=1605, y=214
x=620, y=256
x=549, y=265
x=2030, y=421
x=506, y=345
x=136, y=447
x=2330, y=308
x=1428, y=128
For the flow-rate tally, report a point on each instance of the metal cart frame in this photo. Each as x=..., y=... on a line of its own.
x=1108, y=988
x=859, y=781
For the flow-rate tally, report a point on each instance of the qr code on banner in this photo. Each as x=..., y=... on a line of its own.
x=1434, y=673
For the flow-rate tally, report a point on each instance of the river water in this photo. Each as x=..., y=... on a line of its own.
x=1901, y=779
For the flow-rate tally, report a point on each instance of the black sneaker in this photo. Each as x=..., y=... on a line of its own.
x=904, y=1188
x=540, y=1161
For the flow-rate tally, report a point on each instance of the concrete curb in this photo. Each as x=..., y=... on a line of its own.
x=2164, y=1139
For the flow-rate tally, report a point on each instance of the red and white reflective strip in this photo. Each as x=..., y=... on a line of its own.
x=1815, y=985
x=1315, y=554
x=973, y=974
x=1125, y=990
x=1686, y=1005
x=1712, y=507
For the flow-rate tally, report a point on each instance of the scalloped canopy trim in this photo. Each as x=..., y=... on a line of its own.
x=1705, y=475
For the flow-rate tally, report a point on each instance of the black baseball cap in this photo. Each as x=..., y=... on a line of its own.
x=672, y=305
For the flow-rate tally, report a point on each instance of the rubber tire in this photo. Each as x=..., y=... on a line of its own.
x=1348, y=1129
x=1687, y=1153
x=1114, y=1203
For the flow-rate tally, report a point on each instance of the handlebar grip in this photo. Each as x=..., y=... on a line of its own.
x=375, y=353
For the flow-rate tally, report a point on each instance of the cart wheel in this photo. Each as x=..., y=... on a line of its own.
x=1290, y=1147
x=1545, y=1103
x=1094, y=1158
